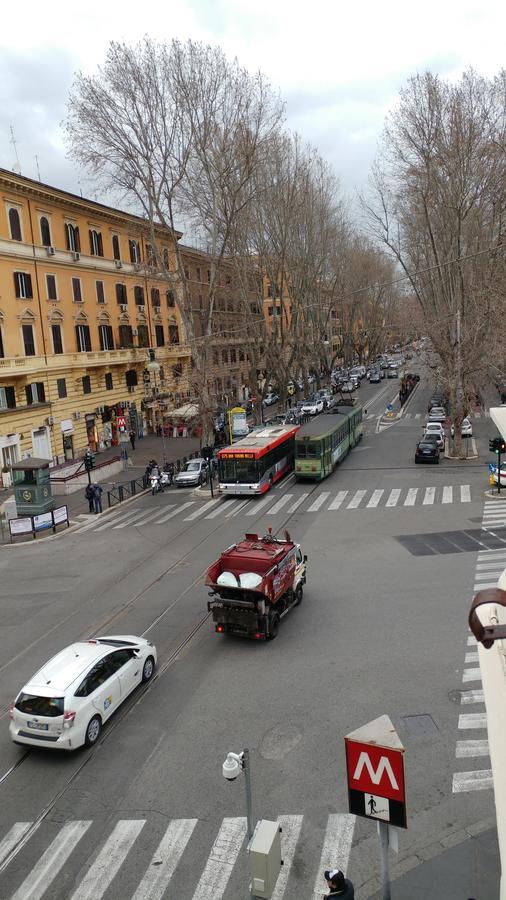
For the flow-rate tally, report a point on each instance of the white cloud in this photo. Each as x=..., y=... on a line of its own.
x=339, y=65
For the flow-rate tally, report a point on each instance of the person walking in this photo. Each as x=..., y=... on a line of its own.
x=339, y=885
x=97, y=497
x=89, y=496
x=131, y=435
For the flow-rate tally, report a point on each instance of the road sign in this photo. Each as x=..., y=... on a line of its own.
x=375, y=765
x=390, y=407
x=121, y=423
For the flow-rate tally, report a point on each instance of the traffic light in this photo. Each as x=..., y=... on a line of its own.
x=497, y=445
x=89, y=460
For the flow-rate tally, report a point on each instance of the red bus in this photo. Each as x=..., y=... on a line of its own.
x=252, y=465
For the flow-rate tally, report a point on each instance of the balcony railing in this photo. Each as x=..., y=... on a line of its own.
x=21, y=365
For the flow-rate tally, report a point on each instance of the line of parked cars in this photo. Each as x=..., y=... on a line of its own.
x=433, y=440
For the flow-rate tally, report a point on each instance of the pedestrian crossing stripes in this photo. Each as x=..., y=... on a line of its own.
x=324, y=501
x=484, y=414
x=494, y=515
x=489, y=567
x=153, y=879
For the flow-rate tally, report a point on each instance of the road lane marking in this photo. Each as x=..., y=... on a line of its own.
x=336, y=847
x=165, y=860
x=471, y=641
x=417, y=415
x=52, y=860
x=113, y=520
x=175, y=512
x=429, y=496
x=471, y=748
x=472, y=720
x=482, y=586
x=238, y=508
x=375, y=499
x=297, y=503
x=291, y=826
x=279, y=505
x=467, y=697
x=411, y=497
x=473, y=674
x=336, y=503
x=448, y=494
x=221, y=860
x=226, y=505
x=148, y=518
x=198, y=512
x=108, y=862
x=131, y=519
x=472, y=781
x=471, y=657
x=258, y=505
x=393, y=497
x=12, y=837
x=318, y=502
x=465, y=493
x=356, y=500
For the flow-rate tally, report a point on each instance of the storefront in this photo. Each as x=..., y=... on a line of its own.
x=67, y=431
x=91, y=432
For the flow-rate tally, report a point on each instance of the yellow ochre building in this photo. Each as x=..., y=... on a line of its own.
x=80, y=305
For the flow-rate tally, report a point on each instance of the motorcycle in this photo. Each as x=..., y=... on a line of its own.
x=155, y=483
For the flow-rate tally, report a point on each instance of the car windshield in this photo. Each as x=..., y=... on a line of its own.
x=192, y=467
x=40, y=706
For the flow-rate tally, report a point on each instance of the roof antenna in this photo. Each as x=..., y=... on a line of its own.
x=17, y=165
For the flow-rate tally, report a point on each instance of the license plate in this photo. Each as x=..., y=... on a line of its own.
x=39, y=725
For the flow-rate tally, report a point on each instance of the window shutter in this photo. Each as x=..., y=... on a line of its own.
x=92, y=247
x=28, y=282
x=28, y=392
x=77, y=238
x=100, y=245
x=41, y=394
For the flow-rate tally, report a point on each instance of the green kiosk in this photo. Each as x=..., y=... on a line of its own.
x=32, y=487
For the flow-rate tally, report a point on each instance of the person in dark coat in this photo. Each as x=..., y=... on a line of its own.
x=131, y=435
x=89, y=496
x=338, y=885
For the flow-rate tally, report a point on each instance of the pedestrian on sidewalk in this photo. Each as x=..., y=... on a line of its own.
x=97, y=497
x=89, y=496
x=131, y=435
x=339, y=885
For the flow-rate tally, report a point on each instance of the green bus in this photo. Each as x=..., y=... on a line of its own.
x=325, y=441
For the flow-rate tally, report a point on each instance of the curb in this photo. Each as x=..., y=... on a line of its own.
x=493, y=495
x=74, y=526
x=474, y=454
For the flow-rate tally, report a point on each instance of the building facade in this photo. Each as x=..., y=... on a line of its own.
x=80, y=306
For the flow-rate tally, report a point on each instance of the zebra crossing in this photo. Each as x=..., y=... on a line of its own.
x=117, y=856
x=324, y=501
x=489, y=566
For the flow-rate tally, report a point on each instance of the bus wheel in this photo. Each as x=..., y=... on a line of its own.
x=273, y=626
x=299, y=594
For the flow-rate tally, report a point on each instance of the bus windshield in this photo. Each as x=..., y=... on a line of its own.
x=238, y=471
x=307, y=450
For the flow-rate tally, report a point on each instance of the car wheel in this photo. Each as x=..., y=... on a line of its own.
x=93, y=731
x=148, y=669
x=299, y=594
x=273, y=626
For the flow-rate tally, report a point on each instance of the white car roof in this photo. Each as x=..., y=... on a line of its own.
x=66, y=666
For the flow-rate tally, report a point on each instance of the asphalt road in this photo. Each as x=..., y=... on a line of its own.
x=382, y=629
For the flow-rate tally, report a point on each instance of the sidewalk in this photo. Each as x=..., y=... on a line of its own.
x=150, y=447
x=470, y=869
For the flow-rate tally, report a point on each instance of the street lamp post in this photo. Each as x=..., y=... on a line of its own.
x=153, y=368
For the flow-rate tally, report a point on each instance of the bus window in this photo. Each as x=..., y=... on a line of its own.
x=313, y=449
x=241, y=471
x=301, y=451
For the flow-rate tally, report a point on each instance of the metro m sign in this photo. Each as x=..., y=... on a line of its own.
x=375, y=770
x=375, y=765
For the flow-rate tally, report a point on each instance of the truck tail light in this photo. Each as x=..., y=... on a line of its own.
x=11, y=710
x=68, y=718
x=219, y=629
x=258, y=636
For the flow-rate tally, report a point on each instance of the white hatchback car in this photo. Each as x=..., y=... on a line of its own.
x=65, y=704
x=434, y=428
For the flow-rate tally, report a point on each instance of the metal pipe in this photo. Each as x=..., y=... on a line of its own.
x=385, y=874
x=247, y=778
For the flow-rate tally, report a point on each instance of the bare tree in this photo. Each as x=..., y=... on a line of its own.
x=179, y=131
x=438, y=198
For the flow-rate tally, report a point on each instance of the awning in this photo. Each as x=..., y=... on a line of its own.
x=189, y=411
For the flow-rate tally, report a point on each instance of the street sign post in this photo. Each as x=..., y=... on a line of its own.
x=375, y=766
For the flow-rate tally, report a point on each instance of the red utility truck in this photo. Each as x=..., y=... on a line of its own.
x=254, y=584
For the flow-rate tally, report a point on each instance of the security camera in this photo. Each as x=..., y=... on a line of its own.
x=232, y=767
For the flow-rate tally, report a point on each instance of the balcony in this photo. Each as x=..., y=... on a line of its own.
x=27, y=365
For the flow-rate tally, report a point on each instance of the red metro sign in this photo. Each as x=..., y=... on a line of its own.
x=375, y=765
x=375, y=770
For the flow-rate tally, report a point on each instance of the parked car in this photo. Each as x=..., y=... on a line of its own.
x=426, y=451
x=503, y=474
x=66, y=703
x=270, y=399
x=466, y=430
x=434, y=428
x=193, y=474
x=437, y=414
x=314, y=406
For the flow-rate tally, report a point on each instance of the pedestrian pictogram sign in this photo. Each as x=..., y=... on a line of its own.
x=375, y=765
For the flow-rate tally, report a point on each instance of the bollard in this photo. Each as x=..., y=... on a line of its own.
x=120, y=493
x=133, y=486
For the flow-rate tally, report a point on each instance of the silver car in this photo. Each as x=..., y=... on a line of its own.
x=193, y=474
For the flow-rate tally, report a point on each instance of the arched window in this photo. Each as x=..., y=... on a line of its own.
x=45, y=231
x=115, y=247
x=15, y=224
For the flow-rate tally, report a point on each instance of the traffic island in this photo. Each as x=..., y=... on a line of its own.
x=448, y=454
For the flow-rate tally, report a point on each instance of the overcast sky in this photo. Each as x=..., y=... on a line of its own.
x=338, y=64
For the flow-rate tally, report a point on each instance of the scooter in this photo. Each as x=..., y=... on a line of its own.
x=155, y=482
